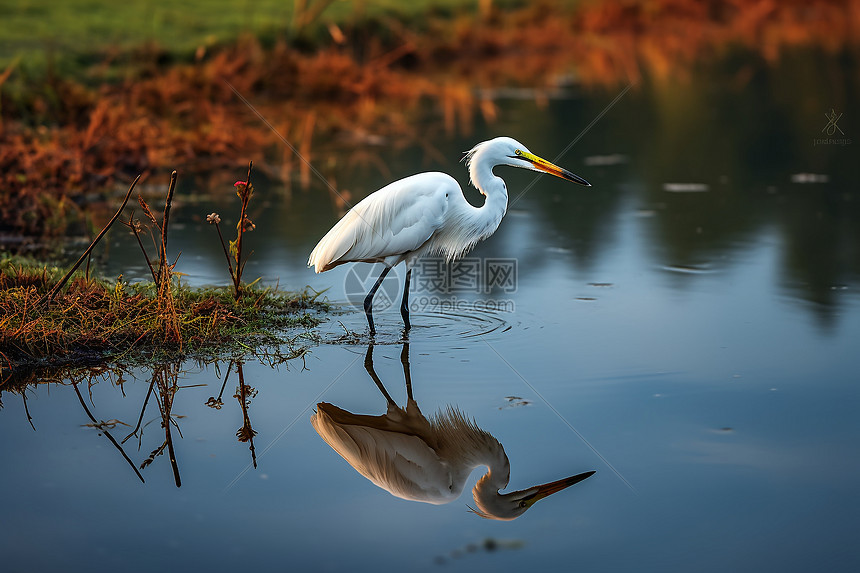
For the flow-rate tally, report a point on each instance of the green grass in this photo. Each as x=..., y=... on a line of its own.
x=95, y=322
x=35, y=30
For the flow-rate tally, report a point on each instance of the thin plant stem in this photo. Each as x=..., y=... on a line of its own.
x=130, y=224
x=142, y=410
x=164, y=264
x=27, y=410
x=107, y=434
x=98, y=238
x=237, y=280
x=226, y=253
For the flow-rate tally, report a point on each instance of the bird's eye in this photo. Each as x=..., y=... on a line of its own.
x=518, y=152
x=523, y=504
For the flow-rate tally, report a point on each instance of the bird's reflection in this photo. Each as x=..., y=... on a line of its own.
x=427, y=460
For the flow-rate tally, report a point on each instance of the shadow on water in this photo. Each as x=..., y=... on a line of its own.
x=427, y=460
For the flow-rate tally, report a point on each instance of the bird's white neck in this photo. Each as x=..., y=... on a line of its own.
x=488, y=183
x=496, y=478
x=481, y=222
x=486, y=491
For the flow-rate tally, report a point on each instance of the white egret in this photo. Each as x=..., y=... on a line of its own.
x=427, y=214
x=424, y=460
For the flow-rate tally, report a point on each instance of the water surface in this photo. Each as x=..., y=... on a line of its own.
x=687, y=328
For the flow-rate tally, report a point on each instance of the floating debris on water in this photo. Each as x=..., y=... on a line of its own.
x=686, y=187
x=110, y=424
x=723, y=430
x=489, y=545
x=515, y=402
x=559, y=250
x=604, y=160
x=810, y=178
x=601, y=285
x=688, y=269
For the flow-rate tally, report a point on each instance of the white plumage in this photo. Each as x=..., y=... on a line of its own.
x=389, y=224
x=409, y=456
x=427, y=214
x=423, y=460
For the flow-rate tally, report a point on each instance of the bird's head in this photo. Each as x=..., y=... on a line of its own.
x=493, y=505
x=509, y=151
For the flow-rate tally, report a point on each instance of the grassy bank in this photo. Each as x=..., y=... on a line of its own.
x=50, y=319
x=94, y=321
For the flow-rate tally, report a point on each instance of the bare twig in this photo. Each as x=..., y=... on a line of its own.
x=134, y=229
x=246, y=433
x=105, y=432
x=166, y=308
x=164, y=221
x=226, y=254
x=65, y=279
x=27, y=410
x=166, y=392
x=142, y=410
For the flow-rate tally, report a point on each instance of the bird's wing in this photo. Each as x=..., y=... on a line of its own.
x=401, y=463
x=397, y=219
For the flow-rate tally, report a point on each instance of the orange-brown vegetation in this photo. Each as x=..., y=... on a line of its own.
x=84, y=138
x=92, y=321
x=52, y=321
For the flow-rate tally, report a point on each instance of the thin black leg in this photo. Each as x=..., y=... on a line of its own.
x=404, y=304
x=368, y=365
x=407, y=372
x=368, y=300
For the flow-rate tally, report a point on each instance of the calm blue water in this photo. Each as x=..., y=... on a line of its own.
x=687, y=328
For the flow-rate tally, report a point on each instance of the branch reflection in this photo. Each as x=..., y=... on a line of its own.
x=165, y=383
x=243, y=394
x=103, y=429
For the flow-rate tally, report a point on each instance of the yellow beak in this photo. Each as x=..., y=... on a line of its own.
x=551, y=168
x=548, y=489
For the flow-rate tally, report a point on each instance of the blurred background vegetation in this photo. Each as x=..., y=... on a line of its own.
x=81, y=32
x=93, y=93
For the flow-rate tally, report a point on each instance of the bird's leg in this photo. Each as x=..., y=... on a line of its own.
x=368, y=300
x=404, y=304
x=368, y=365
x=407, y=373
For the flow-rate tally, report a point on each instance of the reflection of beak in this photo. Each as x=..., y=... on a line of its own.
x=552, y=169
x=548, y=489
